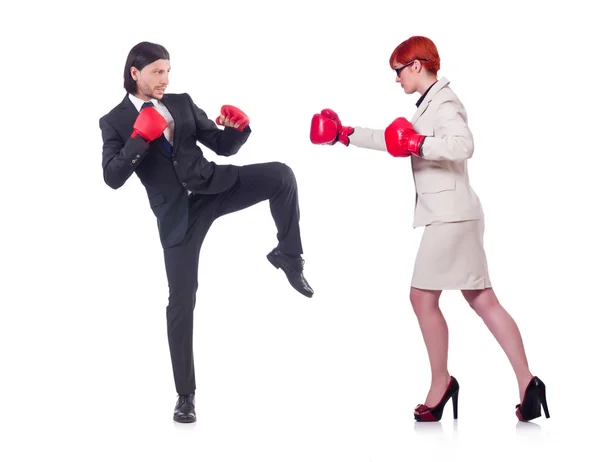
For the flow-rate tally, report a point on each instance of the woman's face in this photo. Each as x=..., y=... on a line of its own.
x=406, y=76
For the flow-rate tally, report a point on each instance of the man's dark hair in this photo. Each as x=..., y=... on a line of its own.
x=139, y=57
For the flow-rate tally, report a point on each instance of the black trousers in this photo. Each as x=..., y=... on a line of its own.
x=274, y=181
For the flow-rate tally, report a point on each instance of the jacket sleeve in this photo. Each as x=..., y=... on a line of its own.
x=224, y=142
x=119, y=160
x=368, y=138
x=452, y=139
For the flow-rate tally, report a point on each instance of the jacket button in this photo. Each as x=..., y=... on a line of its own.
x=183, y=184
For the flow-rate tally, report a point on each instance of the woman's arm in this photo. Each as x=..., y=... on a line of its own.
x=368, y=138
x=452, y=139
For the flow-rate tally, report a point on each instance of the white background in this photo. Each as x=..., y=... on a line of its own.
x=86, y=374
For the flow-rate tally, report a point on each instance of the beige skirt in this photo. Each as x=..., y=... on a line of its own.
x=451, y=257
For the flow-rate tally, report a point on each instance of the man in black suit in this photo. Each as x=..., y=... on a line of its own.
x=155, y=135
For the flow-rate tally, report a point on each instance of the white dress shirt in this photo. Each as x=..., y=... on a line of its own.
x=162, y=109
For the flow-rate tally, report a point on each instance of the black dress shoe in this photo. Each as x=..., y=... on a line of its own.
x=185, y=409
x=292, y=267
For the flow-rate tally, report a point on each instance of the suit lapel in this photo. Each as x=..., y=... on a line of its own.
x=128, y=113
x=441, y=83
x=172, y=107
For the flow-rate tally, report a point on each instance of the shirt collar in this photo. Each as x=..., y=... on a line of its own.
x=137, y=102
x=425, y=94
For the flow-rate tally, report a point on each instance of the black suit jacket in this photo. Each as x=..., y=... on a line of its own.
x=164, y=177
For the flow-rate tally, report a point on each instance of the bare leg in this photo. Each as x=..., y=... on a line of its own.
x=504, y=329
x=433, y=326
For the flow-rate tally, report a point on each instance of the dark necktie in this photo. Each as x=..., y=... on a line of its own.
x=168, y=147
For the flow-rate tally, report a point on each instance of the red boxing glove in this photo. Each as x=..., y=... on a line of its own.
x=402, y=140
x=233, y=114
x=149, y=124
x=326, y=128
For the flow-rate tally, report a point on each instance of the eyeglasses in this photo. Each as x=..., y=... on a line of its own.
x=399, y=69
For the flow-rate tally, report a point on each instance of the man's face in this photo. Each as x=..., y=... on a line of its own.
x=152, y=80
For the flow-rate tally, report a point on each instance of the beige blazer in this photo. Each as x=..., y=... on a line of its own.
x=443, y=191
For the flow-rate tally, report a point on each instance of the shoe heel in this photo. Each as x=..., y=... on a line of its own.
x=455, y=404
x=273, y=261
x=542, y=396
x=533, y=401
x=433, y=414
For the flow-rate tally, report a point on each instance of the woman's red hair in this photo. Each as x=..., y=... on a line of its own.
x=417, y=47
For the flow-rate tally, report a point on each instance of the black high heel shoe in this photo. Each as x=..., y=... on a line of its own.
x=533, y=400
x=433, y=414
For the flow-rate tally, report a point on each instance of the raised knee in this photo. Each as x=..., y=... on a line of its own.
x=287, y=174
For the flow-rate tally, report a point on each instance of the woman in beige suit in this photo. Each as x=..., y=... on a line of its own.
x=451, y=255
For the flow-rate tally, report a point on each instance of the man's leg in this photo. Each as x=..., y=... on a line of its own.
x=276, y=182
x=181, y=263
